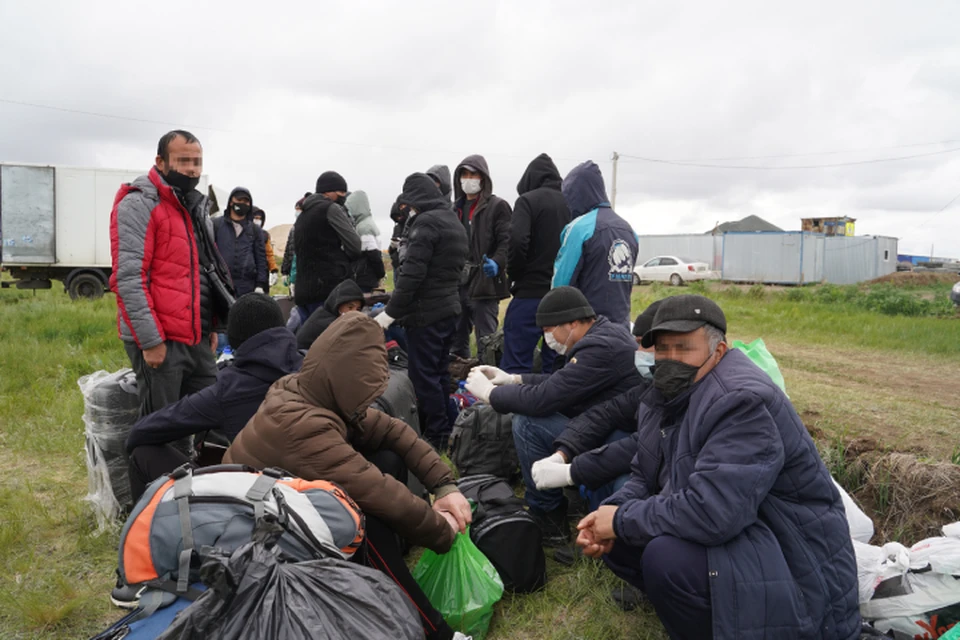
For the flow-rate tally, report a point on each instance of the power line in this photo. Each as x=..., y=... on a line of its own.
x=810, y=166
x=821, y=153
x=941, y=210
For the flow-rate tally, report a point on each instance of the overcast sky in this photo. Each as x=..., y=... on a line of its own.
x=280, y=91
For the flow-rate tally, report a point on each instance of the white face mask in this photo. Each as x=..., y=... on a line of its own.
x=259, y=223
x=470, y=186
x=643, y=361
x=559, y=348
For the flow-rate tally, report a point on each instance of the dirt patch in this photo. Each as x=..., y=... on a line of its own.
x=917, y=279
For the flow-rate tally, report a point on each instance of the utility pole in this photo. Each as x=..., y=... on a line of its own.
x=613, y=196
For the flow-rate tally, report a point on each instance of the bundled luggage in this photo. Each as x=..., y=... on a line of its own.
x=482, y=442
x=506, y=533
x=111, y=407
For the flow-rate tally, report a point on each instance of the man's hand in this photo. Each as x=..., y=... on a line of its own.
x=593, y=548
x=479, y=385
x=490, y=267
x=552, y=473
x=384, y=320
x=214, y=341
x=455, y=506
x=258, y=290
x=155, y=356
x=497, y=376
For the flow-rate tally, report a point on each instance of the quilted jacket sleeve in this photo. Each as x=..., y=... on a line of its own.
x=422, y=239
x=135, y=244
x=592, y=427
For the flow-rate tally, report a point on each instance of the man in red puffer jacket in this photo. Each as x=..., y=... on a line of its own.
x=165, y=298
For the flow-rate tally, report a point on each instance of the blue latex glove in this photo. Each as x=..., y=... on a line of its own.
x=490, y=268
x=378, y=307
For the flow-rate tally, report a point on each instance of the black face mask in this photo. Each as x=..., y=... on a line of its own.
x=241, y=209
x=179, y=181
x=341, y=200
x=673, y=377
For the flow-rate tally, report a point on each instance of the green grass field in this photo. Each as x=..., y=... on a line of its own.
x=854, y=369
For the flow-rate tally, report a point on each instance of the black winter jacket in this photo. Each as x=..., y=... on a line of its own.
x=231, y=401
x=591, y=428
x=245, y=254
x=599, y=367
x=539, y=216
x=436, y=250
x=488, y=234
x=321, y=319
x=325, y=243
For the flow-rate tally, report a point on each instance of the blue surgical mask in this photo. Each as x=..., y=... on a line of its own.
x=643, y=360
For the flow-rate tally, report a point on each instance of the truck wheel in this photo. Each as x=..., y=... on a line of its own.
x=85, y=285
x=676, y=280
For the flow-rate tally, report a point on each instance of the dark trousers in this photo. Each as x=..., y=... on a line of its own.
x=186, y=369
x=674, y=575
x=428, y=352
x=382, y=550
x=149, y=462
x=520, y=337
x=482, y=315
x=533, y=438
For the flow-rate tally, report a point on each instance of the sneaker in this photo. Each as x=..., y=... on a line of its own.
x=627, y=597
x=569, y=555
x=127, y=596
x=553, y=526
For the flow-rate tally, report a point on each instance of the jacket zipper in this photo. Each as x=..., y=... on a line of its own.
x=194, y=320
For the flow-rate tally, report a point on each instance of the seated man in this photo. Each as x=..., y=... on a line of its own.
x=599, y=366
x=347, y=296
x=265, y=352
x=318, y=424
x=730, y=521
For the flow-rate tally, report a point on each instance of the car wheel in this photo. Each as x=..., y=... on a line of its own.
x=636, y=280
x=676, y=280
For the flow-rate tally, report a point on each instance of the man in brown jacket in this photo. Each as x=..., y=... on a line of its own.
x=318, y=424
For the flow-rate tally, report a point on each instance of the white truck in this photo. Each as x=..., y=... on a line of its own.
x=55, y=225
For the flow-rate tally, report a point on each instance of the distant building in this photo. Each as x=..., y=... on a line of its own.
x=750, y=223
x=829, y=226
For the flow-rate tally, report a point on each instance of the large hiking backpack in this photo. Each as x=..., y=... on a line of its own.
x=179, y=515
x=506, y=533
x=482, y=442
x=490, y=348
x=400, y=401
x=111, y=407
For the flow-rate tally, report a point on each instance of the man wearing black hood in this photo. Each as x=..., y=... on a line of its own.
x=426, y=300
x=346, y=297
x=486, y=219
x=539, y=216
x=325, y=242
x=242, y=244
x=440, y=173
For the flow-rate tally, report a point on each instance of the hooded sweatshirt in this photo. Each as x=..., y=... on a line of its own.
x=432, y=262
x=368, y=269
x=487, y=223
x=598, y=248
x=441, y=173
x=271, y=257
x=315, y=423
x=539, y=217
x=319, y=321
x=245, y=251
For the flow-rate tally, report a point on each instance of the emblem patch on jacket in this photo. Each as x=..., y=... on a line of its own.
x=621, y=261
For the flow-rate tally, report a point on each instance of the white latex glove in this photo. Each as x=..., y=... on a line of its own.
x=497, y=376
x=273, y=278
x=479, y=385
x=258, y=290
x=551, y=473
x=384, y=320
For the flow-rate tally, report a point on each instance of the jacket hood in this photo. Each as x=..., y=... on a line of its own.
x=240, y=191
x=441, y=173
x=269, y=355
x=346, y=368
x=358, y=207
x=263, y=214
x=541, y=172
x=480, y=164
x=396, y=214
x=420, y=192
x=346, y=291
x=583, y=188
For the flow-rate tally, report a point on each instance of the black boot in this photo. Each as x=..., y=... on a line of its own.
x=553, y=525
x=627, y=597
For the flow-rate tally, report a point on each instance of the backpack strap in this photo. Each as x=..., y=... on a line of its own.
x=260, y=489
x=182, y=488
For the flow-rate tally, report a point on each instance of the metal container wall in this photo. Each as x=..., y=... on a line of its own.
x=27, y=214
x=849, y=260
x=771, y=258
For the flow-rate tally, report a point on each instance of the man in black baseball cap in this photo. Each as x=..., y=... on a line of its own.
x=730, y=521
x=599, y=366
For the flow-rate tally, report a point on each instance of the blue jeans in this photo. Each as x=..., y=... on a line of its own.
x=533, y=437
x=520, y=337
x=596, y=497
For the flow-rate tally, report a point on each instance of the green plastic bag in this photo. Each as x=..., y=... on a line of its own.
x=761, y=356
x=462, y=585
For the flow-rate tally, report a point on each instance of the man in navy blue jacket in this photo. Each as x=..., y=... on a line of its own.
x=599, y=365
x=265, y=352
x=598, y=249
x=730, y=521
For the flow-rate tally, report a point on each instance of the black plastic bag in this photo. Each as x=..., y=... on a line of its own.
x=254, y=596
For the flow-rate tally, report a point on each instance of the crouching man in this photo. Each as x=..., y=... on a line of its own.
x=599, y=366
x=318, y=425
x=730, y=522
